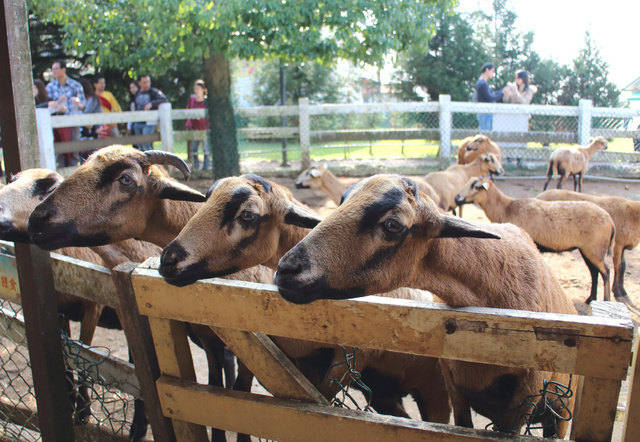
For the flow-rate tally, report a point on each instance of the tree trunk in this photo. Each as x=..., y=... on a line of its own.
x=222, y=124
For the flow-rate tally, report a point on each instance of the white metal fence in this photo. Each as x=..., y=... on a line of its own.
x=376, y=131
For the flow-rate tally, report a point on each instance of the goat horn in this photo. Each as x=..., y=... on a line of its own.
x=160, y=157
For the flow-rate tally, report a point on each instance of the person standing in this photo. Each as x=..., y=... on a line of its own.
x=68, y=93
x=520, y=91
x=484, y=94
x=107, y=100
x=197, y=101
x=147, y=98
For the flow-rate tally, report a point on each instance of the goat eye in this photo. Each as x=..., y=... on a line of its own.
x=126, y=180
x=248, y=216
x=393, y=226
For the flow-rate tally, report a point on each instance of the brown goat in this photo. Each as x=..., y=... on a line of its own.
x=474, y=146
x=553, y=226
x=447, y=183
x=387, y=235
x=626, y=216
x=573, y=161
x=249, y=221
x=319, y=177
x=118, y=194
x=24, y=191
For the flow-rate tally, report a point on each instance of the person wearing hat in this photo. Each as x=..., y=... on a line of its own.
x=484, y=94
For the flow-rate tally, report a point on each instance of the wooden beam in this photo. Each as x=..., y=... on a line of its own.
x=21, y=151
x=551, y=342
x=631, y=428
x=283, y=419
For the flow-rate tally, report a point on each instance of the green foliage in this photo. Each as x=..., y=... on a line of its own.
x=588, y=78
x=451, y=64
x=320, y=83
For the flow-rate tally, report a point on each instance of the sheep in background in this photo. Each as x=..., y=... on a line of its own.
x=474, y=146
x=447, y=183
x=565, y=161
x=553, y=226
x=384, y=220
x=319, y=177
x=626, y=216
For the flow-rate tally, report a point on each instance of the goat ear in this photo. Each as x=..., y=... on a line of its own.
x=457, y=228
x=301, y=217
x=315, y=172
x=485, y=185
x=172, y=190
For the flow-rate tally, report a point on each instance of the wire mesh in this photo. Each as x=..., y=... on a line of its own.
x=18, y=419
x=109, y=411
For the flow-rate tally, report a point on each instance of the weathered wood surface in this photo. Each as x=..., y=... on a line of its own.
x=83, y=279
x=269, y=365
x=554, y=342
x=282, y=419
x=174, y=359
x=631, y=428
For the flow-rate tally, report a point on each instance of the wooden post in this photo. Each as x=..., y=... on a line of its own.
x=584, y=121
x=140, y=343
x=45, y=139
x=305, y=133
x=631, y=428
x=166, y=127
x=444, y=153
x=20, y=141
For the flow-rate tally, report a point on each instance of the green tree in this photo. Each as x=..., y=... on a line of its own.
x=320, y=83
x=153, y=35
x=588, y=78
x=450, y=65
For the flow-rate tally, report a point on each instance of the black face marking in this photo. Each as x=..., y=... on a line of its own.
x=111, y=172
x=231, y=208
x=43, y=186
x=210, y=191
x=318, y=289
x=381, y=257
x=346, y=193
x=375, y=211
x=256, y=179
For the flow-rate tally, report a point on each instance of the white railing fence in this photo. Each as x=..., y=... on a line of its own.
x=517, y=128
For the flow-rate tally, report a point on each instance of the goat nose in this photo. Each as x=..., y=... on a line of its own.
x=171, y=257
x=37, y=218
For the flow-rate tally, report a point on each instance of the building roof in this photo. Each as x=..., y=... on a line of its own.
x=634, y=86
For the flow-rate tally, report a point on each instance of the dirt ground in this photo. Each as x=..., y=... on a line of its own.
x=569, y=267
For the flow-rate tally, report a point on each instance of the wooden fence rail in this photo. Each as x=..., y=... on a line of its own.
x=244, y=313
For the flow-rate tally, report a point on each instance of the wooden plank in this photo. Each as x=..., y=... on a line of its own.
x=106, y=118
x=631, y=426
x=81, y=145
x=174, y=359
x=269, y=365
x=597, y=399
x=21, y=151
x=83, y=279
x=137, y=331
x=595, y=409
x=283, y=419
x=553, y=342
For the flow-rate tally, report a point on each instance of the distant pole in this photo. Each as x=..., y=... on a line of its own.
x=283, y=102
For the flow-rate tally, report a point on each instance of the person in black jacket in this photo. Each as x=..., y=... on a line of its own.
x=147, y=98
x=484, y=94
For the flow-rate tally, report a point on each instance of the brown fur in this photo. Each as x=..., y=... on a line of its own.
x=557, y=226
x=131, y=205
x=573, y=161
x=319, y=177
x=626, y=217
x=463, y=271
x=448, y=183
x=474, y=146
x=266, y=242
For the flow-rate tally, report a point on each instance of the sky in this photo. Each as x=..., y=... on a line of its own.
x=560, y=26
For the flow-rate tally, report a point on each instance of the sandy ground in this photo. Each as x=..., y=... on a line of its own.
x=569, y=267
